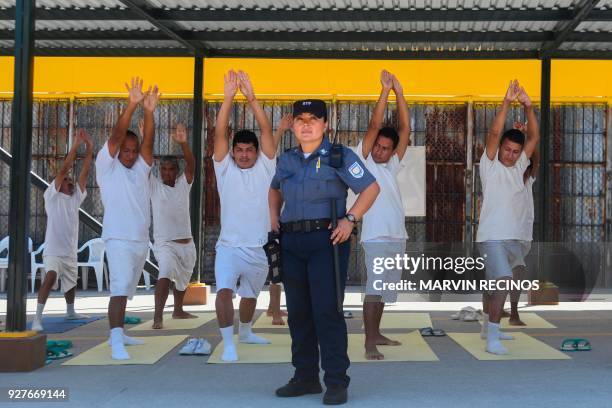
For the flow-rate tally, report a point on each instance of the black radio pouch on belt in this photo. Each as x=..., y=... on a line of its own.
x=273, y=252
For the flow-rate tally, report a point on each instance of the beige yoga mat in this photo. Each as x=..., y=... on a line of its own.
x=265, y=322
x=532, y=320
x=403, y=320
x=413, y=348
x=279, y=351
x=523, y=347
x=155, y=347
x=177, y=324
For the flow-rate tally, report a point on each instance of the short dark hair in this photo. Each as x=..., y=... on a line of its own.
x=131, y=135
x=170, y=159
x=514, y=135
x=245, y=136
x=390, y=133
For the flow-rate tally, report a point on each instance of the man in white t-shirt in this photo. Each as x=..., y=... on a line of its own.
x=243, y=179
x=383, y=231
x=519, y=271
x=123, y=166
x=174, y=249
x=504, y=212
x=62, y=202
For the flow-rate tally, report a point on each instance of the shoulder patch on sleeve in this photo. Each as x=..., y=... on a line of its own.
x=356, y=170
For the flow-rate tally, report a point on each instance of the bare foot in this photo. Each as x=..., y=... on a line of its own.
x=516, y=321
x=157, y=324
x=385, y=341
x=504, y=314
x=372, y=353
x=278, y=320
x=271, y=313
x=183, y=315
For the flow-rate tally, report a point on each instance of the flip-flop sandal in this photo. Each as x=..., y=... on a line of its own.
x=58, y=354
x=348, y=314
x=438, y=333
x=426, y=332
x=59, y=344
x=576, y=345
x=131, y=320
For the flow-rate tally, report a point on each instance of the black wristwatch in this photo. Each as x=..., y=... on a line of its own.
x=351, y=218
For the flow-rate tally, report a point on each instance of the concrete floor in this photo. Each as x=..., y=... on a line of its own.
x=457, y=380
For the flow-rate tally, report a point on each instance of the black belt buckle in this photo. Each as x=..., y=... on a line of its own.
x=297, y=226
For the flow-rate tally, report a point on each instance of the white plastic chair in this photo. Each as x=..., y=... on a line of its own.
x=96, y=248
x=145, y=274
x=35, y=266
x=4, y=261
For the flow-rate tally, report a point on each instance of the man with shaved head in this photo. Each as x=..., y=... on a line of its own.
x=123, y=166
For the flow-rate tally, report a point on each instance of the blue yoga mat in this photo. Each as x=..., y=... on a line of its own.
x=61, y=325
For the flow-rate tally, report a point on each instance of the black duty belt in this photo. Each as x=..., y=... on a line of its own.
x=306, y=225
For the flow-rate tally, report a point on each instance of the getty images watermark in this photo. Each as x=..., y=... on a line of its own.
x=459, y=265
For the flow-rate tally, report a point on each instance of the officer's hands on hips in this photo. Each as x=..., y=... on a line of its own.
x=342, y=232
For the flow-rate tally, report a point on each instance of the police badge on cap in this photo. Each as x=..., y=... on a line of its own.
x=316, y=107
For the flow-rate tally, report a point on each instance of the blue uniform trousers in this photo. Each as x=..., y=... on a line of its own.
x=314, y=321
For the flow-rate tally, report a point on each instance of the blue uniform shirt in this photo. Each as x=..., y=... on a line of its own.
x=309, y=184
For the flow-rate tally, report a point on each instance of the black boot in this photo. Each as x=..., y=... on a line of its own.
x=335, y=394
x=296, y=388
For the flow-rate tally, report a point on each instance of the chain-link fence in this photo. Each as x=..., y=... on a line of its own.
x=577, y=169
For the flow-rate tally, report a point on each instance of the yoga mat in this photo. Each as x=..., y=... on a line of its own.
x=155, y=347
x=279, y=351
x=413, y=348
x=58, y=324
x=532, y=320
x=523, y=347
x=265, y=322
x=403, y=320
x=177, y=324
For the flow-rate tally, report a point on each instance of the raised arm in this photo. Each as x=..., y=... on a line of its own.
x=150, y=102
x=284, y=125
x=404, y=119
x=135, y=96
x=376, y=121
x=533, y=128
x=67, y=165
x=497, y=127
x=84, y=137
x=268, y=147
x=221, y=137
x=180, y=137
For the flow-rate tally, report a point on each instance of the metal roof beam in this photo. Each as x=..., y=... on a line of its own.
x=140, y=8
x=161, y=15
x=311, y=36
x=313, y=54
x=565, y=30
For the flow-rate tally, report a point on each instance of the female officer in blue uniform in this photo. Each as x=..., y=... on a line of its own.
x=306, y=183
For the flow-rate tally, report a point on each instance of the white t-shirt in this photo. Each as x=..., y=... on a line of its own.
x=126, y=196
x=530, y=210
x=385, y=220
x=62, y=233
x=245, y=217
x=504, y=207
x=170, y=209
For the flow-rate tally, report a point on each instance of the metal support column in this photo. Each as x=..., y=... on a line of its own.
x=196, y=189
x=544, y=147
x=21, y=146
